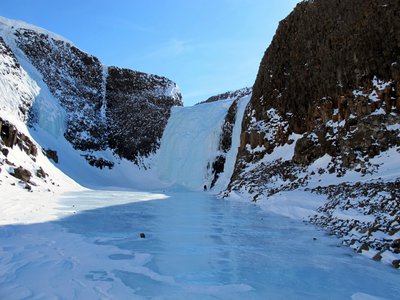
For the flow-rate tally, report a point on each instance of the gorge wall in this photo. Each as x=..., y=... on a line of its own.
x=324, y=117
x=331, y=74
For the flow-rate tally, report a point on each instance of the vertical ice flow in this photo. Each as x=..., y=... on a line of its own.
x=190, y=144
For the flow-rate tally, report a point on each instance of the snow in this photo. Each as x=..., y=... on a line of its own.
x=172, y=90
x=6, y=24
x=284, y=152
x=16, y=87
x=298, y=205
x=20, y=206
x=380, y=84
x=379, y=111
x=124, y=174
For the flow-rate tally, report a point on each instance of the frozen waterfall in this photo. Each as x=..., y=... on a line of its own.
x=190, y=144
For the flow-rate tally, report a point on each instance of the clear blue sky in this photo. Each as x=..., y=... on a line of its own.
x=206, y=46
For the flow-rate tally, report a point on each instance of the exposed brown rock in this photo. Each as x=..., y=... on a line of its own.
x=5, y=151
x=396, y=263
x=22, y=174
x=52, y=154
x=10, y=136
x=378, y=200
x=41, y=173
x=332, y=71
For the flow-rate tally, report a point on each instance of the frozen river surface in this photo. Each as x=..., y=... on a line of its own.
x=196, y=247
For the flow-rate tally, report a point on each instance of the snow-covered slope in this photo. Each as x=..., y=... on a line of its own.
x=28, y=180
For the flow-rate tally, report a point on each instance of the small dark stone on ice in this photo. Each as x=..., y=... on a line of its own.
x=142, y=235
x=396, y=263
x=377, y=257
x=314, y=239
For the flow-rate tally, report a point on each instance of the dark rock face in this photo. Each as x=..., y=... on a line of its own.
x=138, y=108
x=41, y=173
x=321, y=52
x=332, y=73
x=10, y=136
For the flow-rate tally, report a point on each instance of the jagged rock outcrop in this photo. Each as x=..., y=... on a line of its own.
x=105, y=107
x=332, y=75
x=10, y=136
x=22, y=174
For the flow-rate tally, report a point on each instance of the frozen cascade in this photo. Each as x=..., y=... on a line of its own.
x=190, y=144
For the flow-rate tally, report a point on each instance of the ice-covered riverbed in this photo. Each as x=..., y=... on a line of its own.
x=196, y=247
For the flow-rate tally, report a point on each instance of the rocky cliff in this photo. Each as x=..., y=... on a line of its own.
x=145, y=103
x=105, y=107
x=331, y=74
x=326, y=102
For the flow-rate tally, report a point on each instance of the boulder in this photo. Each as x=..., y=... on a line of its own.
x=22, y=174
x=52, y=154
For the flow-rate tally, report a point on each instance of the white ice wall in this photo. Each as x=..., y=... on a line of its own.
x=190, y=144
